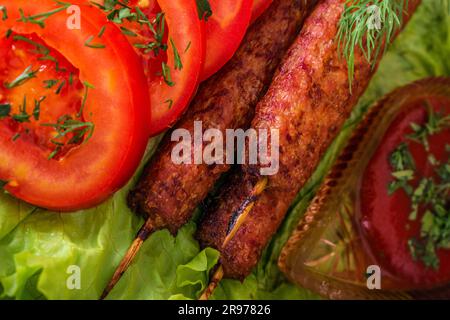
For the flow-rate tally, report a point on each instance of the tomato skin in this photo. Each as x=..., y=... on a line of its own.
x=225, y=30
x=187, y=32
x=118, y=106
x=384, y=218
x=259, y=6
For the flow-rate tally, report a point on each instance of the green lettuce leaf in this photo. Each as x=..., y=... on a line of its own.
x=38, y=249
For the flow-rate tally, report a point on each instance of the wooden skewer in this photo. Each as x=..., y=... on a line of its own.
x=243, y=212
x=141, y=236
x=148, y=228
x=246, y=208
x=217, y=277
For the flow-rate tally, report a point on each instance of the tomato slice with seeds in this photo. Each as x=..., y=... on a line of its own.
x=225, y=29
x=169, y=38
x=73, y=129
x=40, y=77
x=259, y=6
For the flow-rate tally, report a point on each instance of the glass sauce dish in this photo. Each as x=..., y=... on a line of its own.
x=328, y=252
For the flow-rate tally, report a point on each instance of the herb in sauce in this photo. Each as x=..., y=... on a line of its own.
x=429, y=193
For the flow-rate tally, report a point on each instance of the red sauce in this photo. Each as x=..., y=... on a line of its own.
x=385, y=222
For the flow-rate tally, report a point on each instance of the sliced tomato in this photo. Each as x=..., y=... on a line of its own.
x=168, y=103
x=74, y=106
x=170, y=41
x=225, y=29
x=259, y=6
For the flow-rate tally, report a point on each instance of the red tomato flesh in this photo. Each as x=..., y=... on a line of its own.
x=183, y=38
x=385, y=219
x=86, y=173
x=18, y=53
x=225, y=30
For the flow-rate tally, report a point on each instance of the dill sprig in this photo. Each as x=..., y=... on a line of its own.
x=368, y=24
x=26, y=75
x=204, y=9
x=80, y=131
x=40, y=18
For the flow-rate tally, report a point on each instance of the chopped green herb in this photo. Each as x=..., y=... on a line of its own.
x=429, y=193
x=37, y=108
x=89, y=44
x=87, y=86
x=40, y=18
x=178, y=63
x=66, y=125
x=41, y=49
x=204, y=9
x=60, y=87
x=54, y=153
x=188, y=47
x=170, y=103
x=432, y=160
x=167, y=75
x=405, y=174
x=141, y=17
x=116, y=11
x=5, y=110
x=15, y=137
x=48, y=84
x=53, y=59
x=102, y=31
x=150, y=46
x=157, y=27
x=403, y=165
x=26, y=75
x=435, y=123
x=4, y=13
x=23, y=116
x=128, y=32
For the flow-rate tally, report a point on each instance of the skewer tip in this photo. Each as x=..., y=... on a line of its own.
x=216, y=278
x=142, y=235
